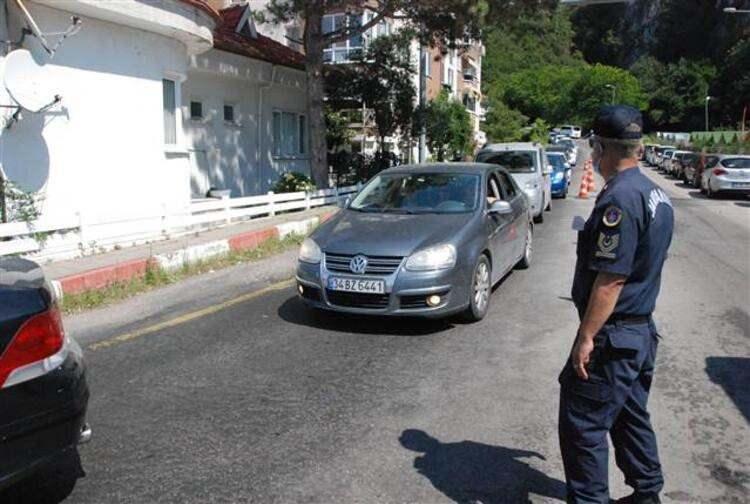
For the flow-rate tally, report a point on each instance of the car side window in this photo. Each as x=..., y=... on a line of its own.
x=509, y=192
x=493, y=190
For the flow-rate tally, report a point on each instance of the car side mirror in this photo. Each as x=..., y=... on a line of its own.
x=345, y=202
x=500, y=208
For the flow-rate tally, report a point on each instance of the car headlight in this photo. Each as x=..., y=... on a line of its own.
x=558, y=176
x=310, y=252
x=433, y=258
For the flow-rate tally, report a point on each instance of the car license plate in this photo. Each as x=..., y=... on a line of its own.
x=357, y=285
x=741, y=185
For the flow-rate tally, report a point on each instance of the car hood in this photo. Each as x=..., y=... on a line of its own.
x=375, y=234
x=522, y=178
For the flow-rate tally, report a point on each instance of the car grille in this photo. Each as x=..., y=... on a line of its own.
x=357, y=300
x=376, y=265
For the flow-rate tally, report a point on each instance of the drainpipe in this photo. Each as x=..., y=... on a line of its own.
x=4, y=50
x=259, y=120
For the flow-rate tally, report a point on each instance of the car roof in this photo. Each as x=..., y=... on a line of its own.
x=511, y=146
x=733, y=156
x=555, y=153
x=456, y=167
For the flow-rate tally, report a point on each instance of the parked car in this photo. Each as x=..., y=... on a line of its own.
x=687, y=167
x=527, y=163
x=694, y=171
x=562, y=150
x=427, y=240
x=561, y=174
x=665, y=158
x=658, y=152
x=647, y=150
x=729, y=175
x=43, y=390
x=672, y=164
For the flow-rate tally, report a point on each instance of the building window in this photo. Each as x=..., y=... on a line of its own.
x=229, y=113
x=169, y=88
x=346, y=50
x=196, y=110
x=470, y=102
x=289, y=134
x=426, y=62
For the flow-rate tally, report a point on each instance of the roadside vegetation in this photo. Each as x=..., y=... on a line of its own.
x=560, y=64
x=156, y=277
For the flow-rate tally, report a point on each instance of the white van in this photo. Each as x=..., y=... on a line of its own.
x=571, y=131
x=528, y=165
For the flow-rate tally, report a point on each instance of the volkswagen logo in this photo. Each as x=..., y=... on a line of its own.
x=358, y=264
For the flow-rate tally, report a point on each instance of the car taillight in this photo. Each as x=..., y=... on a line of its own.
x=38, y=338
x=719, y=171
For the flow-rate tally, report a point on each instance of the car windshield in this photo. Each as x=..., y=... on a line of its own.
x=557, y=161
x=513, y=161
x=409, y=193
x=736, y=163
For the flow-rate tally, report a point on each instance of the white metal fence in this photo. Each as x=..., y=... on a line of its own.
x=48, y=238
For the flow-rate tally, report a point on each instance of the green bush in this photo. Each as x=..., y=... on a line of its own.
x=293, y=182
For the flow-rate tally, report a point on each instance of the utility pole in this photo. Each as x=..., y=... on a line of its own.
x=422, y=101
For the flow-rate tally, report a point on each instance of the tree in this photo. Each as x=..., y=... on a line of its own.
x=503, y=124
x=676, y=92
x=447, y=20
x=382, y=82
x=449, y=128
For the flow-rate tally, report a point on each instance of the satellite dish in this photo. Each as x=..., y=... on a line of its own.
x=27, y=81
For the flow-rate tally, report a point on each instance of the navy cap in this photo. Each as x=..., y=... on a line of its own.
x=619, y=122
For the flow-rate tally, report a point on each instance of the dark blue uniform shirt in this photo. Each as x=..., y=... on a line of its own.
x=628, y=233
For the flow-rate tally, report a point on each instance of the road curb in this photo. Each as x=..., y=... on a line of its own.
x=100, y=278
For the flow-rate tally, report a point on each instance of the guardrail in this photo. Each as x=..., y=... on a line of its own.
x=76, y=236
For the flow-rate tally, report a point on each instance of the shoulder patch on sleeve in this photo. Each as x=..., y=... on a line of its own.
x=612, y=216
x=606, y=245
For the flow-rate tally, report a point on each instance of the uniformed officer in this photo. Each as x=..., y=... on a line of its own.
x=606, y=381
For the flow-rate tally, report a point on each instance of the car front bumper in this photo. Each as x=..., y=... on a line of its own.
x=406, y=292
x=48, y=419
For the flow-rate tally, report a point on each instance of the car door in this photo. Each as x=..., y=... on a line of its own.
x=519, y=222
x=499, y=227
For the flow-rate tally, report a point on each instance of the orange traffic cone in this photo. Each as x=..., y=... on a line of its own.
x=592, y=185
x=583, y=192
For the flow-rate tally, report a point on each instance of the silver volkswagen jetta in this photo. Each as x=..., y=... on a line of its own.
x=427, y=240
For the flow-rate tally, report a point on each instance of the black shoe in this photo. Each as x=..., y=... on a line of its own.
x=636, y=498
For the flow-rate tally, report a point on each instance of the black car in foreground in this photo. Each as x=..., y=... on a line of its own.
x=43, y=390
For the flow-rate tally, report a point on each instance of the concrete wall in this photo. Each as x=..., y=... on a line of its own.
x=100, y=153
x=239, y=156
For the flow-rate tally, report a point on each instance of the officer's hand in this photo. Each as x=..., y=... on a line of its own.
x=580, y=355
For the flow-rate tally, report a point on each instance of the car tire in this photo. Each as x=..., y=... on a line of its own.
x=548, y=208
x=480, y=290
x=711, y=194
x=528, y=251
x=539, y=218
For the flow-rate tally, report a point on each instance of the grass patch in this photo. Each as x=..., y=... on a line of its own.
x=157, y=277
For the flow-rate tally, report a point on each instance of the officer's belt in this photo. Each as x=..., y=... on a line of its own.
x=628, y=319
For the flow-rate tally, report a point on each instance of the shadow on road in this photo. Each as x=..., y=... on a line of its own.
x=733, y=375
x=469, y=472
x=697, y=195
x=50, y=485
x=296, y=312
x=745, y=204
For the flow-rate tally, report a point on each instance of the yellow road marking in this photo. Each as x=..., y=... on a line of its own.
x=182, y=319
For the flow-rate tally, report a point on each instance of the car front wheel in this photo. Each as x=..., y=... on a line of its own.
x=481, y=289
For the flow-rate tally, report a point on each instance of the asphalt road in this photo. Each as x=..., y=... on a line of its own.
x=261, y=400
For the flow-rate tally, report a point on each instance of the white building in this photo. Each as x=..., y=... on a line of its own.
x=161, y=100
